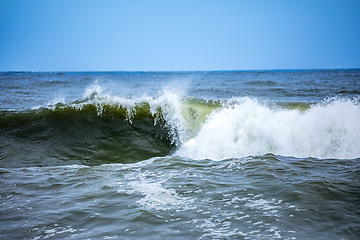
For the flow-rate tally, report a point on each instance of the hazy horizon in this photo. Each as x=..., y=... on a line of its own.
x=180, y=71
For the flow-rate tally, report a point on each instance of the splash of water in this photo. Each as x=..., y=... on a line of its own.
x=327, y=130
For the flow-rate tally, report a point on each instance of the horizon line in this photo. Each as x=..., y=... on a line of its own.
x=145, y=71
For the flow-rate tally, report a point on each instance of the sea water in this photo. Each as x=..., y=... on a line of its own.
x=180, y=155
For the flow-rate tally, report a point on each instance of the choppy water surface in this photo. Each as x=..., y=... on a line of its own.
x=189, y=155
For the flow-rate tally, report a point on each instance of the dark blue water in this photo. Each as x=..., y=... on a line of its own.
x=180, y=155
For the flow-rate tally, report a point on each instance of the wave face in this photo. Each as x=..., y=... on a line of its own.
x=102, y=128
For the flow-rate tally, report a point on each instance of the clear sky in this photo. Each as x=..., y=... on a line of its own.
x=149, y=35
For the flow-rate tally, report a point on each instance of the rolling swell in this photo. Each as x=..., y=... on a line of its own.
x=100, y=129
x=68, y=135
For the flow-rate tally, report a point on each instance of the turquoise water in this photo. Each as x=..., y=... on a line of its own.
x=180, y=155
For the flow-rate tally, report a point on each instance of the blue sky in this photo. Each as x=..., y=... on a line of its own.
x=67, y=35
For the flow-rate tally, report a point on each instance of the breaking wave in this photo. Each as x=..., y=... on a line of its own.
x=330, y=129
x=101, y=128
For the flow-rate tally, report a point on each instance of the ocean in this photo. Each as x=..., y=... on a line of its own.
x=180, y=155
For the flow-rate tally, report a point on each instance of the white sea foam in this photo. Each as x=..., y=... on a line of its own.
x=154, y=194
x=327, y=130
x=50, y=233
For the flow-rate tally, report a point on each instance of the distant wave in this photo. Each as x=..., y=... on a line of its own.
x=261, y=83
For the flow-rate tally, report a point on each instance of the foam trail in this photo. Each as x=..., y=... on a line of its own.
x=327, y=130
